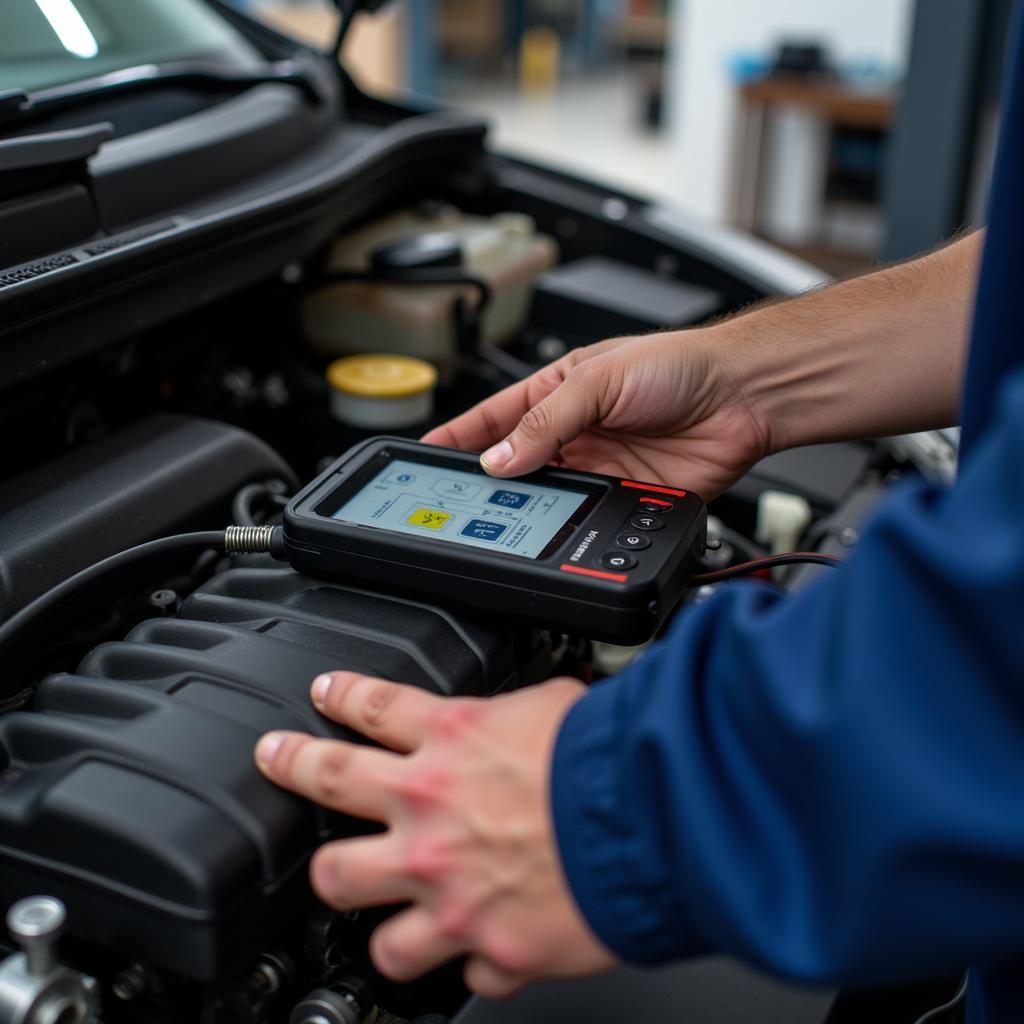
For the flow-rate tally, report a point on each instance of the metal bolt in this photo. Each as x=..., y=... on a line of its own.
x=61, y=1010
x=272, y=972
x=550, y=348
x=165, y=602
x=130, y=983
x=35, y=924
x=614, y=208
x=275, y=391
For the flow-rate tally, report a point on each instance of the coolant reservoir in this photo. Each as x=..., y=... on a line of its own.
x=506, y=250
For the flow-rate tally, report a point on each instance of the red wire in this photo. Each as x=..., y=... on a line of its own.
x=769, y=562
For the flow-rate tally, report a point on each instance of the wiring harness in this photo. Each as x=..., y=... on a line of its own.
x=762, y=564
x=30, y=630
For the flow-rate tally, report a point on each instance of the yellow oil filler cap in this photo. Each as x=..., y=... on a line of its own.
x=381, y=392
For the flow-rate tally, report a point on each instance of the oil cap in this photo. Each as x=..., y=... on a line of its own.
x=430, y=249
x=381, y=392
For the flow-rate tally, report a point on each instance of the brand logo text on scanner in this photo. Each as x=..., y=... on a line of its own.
x=584, y=544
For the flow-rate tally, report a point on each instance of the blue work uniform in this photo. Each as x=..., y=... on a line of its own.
x=831, y=784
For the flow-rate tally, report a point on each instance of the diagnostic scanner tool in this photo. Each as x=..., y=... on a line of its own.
x=589, y=555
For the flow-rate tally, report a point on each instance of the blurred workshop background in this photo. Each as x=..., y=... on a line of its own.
x=845, y=132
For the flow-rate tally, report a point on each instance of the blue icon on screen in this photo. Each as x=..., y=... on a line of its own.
x=509, y=499
x=405, y=478
x=482, y=529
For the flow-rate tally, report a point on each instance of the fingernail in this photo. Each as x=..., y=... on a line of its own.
x=497, y=456
x=268, y=747
x=321, y=685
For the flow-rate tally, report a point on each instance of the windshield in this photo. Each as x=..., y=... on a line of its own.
x=51, y=42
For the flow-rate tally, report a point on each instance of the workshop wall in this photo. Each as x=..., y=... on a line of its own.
x=709, y=36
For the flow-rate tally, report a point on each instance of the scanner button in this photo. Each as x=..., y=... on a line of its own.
x=649, y=505
x=647, y=523
x=620, y=560
x=633, y=541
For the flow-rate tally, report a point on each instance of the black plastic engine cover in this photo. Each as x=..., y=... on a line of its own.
x=130, y=791
x=162, y=475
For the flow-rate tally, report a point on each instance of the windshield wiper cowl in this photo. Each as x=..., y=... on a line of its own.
x=50, y=149
x=16, y=104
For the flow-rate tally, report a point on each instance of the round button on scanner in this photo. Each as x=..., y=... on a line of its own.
x=620, y=560
x=633, y=541
x=649, y=507
x=647, y=523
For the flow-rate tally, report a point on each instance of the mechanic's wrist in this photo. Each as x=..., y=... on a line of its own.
x=793, y=387
x=738, y=368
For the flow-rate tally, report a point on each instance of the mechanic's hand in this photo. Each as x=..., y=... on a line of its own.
x=662, y=408
x=469, y=844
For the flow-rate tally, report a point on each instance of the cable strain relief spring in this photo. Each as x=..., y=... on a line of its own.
x=254, y=540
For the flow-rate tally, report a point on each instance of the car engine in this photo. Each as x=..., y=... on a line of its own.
x=128, y=791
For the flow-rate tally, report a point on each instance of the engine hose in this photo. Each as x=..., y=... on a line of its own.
x=30, y=631
x=245, y=501
x=504, y=362
x=747, y=548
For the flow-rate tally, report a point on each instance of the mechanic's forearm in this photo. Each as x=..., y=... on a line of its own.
x=822, y=783
x=876, y=355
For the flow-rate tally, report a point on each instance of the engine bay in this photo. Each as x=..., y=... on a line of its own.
x=128, y=790
x=183, y=376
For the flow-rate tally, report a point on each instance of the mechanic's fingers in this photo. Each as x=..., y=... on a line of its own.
x=490, y=981
x=342, y=776
x=365, y=872
x=493, y=419
x=490, y=420
x=394, y=715
x=411, y=943
x=570, y=409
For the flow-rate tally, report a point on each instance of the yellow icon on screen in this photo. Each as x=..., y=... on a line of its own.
x=430, y=518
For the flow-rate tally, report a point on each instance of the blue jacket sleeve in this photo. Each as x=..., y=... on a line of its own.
x=829, y=784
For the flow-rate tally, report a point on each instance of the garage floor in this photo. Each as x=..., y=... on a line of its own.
x=592, y=125
x=713, y=991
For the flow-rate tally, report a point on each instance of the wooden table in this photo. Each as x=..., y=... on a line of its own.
x=839, y=104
